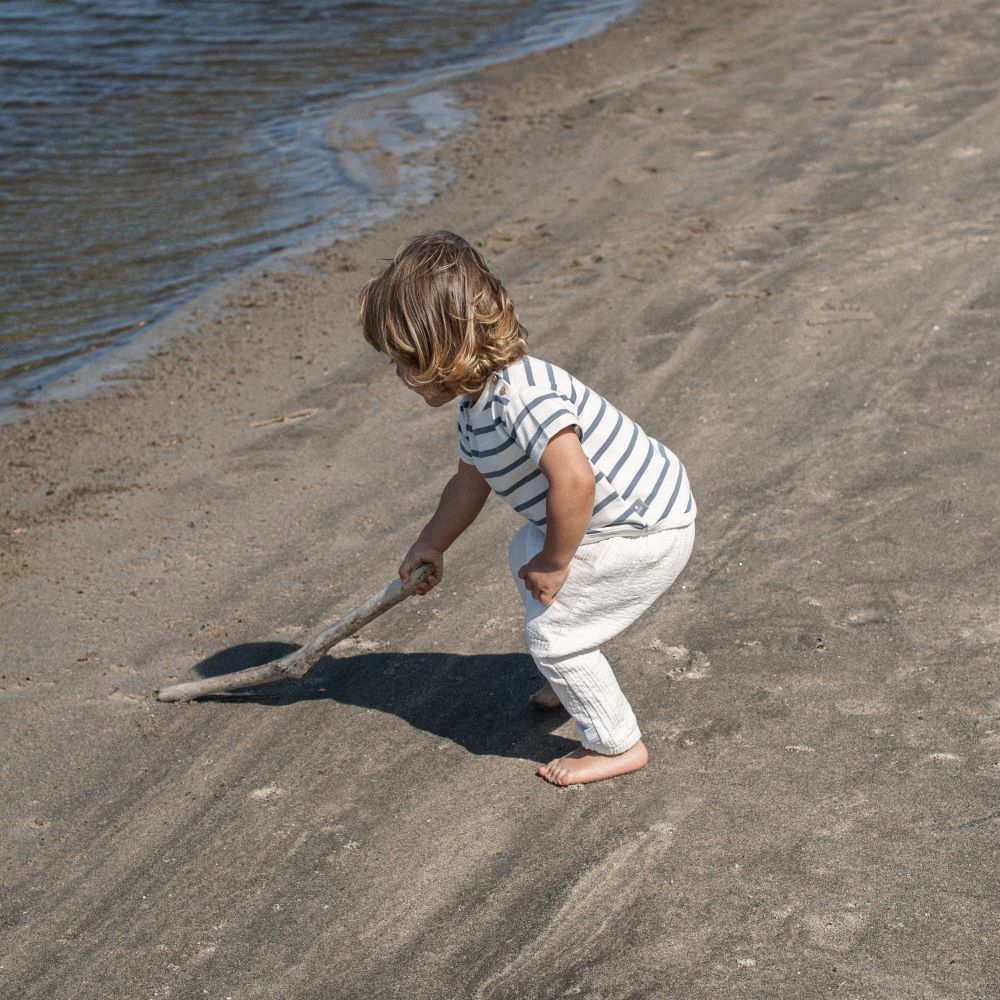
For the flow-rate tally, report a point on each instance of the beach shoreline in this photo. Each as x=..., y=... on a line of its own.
x=375, y=150
x=764, y=230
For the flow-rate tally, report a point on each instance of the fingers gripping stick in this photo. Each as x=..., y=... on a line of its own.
x=299, y=662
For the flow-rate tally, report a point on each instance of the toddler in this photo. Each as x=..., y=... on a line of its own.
x=609, y=512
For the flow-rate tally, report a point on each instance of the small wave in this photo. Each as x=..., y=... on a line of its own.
x=148, y=152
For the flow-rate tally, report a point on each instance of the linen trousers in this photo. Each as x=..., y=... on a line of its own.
x=610, y=584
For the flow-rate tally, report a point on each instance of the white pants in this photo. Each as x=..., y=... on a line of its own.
x=610, y=584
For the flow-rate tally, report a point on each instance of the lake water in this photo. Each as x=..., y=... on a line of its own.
x=150, y=147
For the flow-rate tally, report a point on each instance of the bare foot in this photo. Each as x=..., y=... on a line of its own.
x=545, y=698
x=582, y=766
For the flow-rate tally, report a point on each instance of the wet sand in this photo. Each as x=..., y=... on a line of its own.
x=768, y=231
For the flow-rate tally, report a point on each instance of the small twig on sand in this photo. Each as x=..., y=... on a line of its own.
x=288, y=418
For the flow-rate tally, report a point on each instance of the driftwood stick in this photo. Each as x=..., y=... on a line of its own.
x=297, y=663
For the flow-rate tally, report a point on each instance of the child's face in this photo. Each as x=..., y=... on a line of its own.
x=430, y=394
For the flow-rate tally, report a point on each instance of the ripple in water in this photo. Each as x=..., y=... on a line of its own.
x=148, y=148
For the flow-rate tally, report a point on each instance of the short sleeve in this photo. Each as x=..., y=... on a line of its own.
x=534, y=414
x=464, y=441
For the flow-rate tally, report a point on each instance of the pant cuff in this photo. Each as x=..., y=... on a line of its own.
x=610, y=746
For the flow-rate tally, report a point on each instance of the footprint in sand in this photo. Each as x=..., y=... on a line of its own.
x=862, y=706
x=266, y=793
x=867, y=616
x=691, y=664
x=836, y=930
x=637, y=173
x=520, y=232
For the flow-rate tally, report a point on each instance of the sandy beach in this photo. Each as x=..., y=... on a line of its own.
x=769, y=232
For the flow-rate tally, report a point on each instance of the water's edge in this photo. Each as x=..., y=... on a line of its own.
x=386, y=147
x=384, y=139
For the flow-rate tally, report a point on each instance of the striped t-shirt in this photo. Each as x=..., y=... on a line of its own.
x=640, y=485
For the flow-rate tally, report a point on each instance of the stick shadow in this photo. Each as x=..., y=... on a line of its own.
x=478, y=702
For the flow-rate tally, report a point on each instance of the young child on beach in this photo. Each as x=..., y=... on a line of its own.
x=609, y=512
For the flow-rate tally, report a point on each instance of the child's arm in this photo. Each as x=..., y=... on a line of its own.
x=461, y=501
x=568, y=510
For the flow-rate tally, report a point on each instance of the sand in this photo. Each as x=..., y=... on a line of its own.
x=767, y=231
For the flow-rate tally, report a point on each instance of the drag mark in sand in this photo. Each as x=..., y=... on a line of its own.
x=595, y=901
x=980, y=820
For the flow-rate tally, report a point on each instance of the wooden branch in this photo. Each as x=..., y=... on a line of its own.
x=297, y=663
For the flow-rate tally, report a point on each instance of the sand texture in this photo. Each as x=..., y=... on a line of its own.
x=769, y=231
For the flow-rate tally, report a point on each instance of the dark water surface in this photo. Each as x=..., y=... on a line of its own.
x=148, y=147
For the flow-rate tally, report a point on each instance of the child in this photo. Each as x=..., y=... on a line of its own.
x=610, y=515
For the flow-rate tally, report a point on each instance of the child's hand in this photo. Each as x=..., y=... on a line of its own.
x=543, y=579
x=421, y=552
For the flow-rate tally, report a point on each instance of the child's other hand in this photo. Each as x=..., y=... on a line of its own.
x=419, y=553
x=543, y=579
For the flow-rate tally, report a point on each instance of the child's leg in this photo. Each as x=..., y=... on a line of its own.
x=609, y=734
x=589, y=691
x=610, y=584
x=545, y=697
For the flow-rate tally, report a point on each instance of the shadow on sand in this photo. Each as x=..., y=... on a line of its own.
x=478, y=702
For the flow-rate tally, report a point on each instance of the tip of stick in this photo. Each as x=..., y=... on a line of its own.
x=168, y=694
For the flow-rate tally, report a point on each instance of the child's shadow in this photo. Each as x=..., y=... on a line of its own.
x=478, y=702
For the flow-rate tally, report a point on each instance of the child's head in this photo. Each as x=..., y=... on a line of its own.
x=442, y=316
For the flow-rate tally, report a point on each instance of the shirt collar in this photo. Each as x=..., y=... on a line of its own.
x=493, y=386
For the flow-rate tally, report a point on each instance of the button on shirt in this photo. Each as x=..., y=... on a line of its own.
x=640, y=484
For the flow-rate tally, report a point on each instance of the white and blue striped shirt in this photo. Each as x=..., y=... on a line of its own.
x=640, y=485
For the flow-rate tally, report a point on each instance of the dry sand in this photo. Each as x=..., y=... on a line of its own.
x=768, y=231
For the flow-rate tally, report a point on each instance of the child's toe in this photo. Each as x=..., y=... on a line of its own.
x=549, y=771
x=556, y=774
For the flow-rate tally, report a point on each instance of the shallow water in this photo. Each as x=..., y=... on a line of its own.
x=148, y=147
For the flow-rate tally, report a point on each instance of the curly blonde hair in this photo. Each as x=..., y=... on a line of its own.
x=440, y=313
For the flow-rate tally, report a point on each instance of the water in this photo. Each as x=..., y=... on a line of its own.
x=148, y=147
